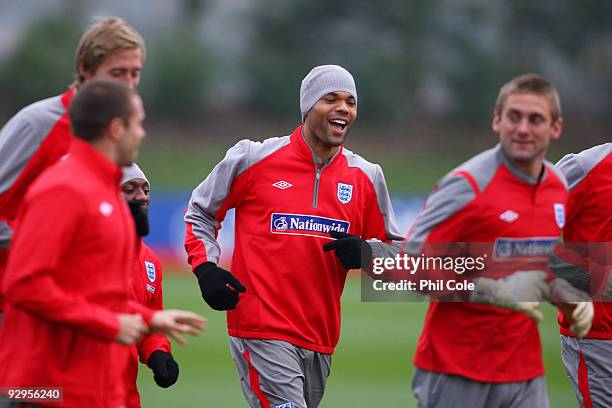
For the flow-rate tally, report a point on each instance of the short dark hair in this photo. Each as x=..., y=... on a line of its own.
x=96, y=104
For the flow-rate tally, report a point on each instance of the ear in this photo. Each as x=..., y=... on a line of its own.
x=557, y=127
x=115, y=128
x=85, y=73
x=495, y=122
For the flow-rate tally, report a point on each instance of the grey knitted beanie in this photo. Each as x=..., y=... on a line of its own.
x=322, y=80
x=132, y=172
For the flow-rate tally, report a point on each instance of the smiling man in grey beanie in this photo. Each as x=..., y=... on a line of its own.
x=328, y=102
x=283, y=291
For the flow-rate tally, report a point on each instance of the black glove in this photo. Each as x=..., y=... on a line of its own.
x=165, y=369
x=353, y=251
x=219, y=287
x=141, y=217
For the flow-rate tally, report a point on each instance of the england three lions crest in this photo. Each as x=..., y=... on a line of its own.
x=150, y=267
x=345, y=192
x=559, y=214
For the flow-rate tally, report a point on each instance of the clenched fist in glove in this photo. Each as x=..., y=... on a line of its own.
x=575, y=305
x=165, y=369
x=353, y=251
x=522, y=291
x=219, y=288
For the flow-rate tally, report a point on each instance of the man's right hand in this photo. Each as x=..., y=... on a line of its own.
x=175, y=322
x=219, y=288
x=131, y=328
x=575, y=305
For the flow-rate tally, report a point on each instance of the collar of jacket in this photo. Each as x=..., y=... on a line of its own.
x=67, y=97
x=104, y=168
x=304, y=151
x=518, y=173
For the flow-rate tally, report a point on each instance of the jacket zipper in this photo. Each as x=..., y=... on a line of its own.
x=537, y=185
x=315, y=198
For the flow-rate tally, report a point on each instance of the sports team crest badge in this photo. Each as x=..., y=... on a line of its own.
x=345, y=192
x=150, y=267
x=559, y=214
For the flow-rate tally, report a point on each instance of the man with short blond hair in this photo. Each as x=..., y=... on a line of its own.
x=486, y=352
x=39, y=135
x=102, y=40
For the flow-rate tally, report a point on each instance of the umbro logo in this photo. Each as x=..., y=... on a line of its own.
x=282, y=184
x=508, y=216
x=106, y=208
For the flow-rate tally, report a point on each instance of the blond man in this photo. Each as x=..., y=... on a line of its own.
x=39, y=135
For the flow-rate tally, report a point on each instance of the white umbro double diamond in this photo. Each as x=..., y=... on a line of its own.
x=508, y=216
x=282, y=184
x=106, y=208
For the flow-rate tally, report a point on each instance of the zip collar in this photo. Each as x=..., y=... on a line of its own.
x=518, y=173
x=305, y=151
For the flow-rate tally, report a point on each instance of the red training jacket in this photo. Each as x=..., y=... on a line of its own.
x=70, y=277
x=286, y=203
x=488, y=200
x=589, y=177
x=146, y=290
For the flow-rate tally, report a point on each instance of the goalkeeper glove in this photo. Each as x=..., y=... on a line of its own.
x=507, y=293
x=575, y=305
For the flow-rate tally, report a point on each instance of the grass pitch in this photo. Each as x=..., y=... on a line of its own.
x=372, y=365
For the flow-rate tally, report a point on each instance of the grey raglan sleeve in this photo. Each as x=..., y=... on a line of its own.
x=386, y=209
x=5, y=234
x=453, y=193
x=571, y=167
x=395, y=237
x=221, y=190
x=19, y=140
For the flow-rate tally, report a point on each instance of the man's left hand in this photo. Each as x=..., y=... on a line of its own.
x=165, y=368
x=354, y=252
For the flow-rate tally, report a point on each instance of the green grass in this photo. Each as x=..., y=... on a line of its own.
x=179, y=166
x=371, y=367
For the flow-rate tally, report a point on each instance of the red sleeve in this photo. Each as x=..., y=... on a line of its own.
x=156, y=341
x=137, y=308
x=32, y=284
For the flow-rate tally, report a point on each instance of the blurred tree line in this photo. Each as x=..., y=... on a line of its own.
x=418, y=60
